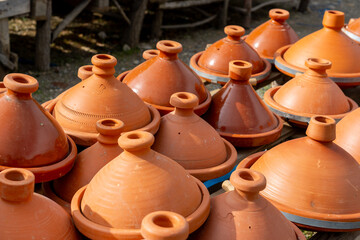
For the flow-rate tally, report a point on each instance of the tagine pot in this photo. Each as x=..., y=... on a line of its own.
x=239, y=115
x=2, y=87
x=156, y=79
x=213, y=64
x=352, y=29
x=137, y=182
x=312, y=180
x=309, y=94
x=244, y=214
x=25, y=214
x=192, y=142
x=30, y=137
x=272, y=35
x=328, y=43
x=87, y=163
x=102, y=96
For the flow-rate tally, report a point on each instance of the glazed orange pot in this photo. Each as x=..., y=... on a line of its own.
x=213, y=64
x=25, y=214
x=309, y=94
x=137, y=182
x=102, y=96
x=87, y=163
x=272, y=35
x=238, y=113
x=160, y=76
x=192, y=142
x=30, y=137
x=244, y=214
x=312, y=180
x=328, y=43
x=352, y=30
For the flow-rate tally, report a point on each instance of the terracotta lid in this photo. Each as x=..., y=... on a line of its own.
x=134, y=184
x=272, y=35
x=244, y=214
x=25, y=213
x=348, y=134
x=213, y=63
x=87, y=163
x=101, y=96
x=2, y=87
x=328, y=43
x=353, y=29
x=156, y=79
x=30, y=137
x=313, y=181
x=192, y=142
x=239, y=114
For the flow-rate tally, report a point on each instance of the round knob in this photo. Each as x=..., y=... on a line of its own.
x=103, y=64
x=334, y=19
x=322, y=129
x=109, y=130
x=169, y=47
x=248, y=183
x=318, y=64
x=184, y=100
x=151, y=53
x=234, y=32
x=136, y=140
x=240, y=70
x=21, y=83
x=85, y=72
x=279, y=15
x=16, y=184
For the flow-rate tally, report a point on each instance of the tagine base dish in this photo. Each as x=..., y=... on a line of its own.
x=350, y=34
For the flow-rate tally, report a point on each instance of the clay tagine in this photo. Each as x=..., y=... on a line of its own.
x=30, y=137
x=352, y=30
x=213, y=64
x=244, y=214
x=137, y=182
x=2, y=87
x=163, y=74
x=238, y=113
x=102, y=96
x=309, y=94
x=272, y=35
x=192, y=142
x=328, y=43
x=322, y=173
x=25, y=214
x=87, y=163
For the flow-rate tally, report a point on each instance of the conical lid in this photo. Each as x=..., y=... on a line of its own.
x=25, y=214
x=244, y=214
x=313, y=181
x=353, y=29
x=238, y=113
x=273, y=34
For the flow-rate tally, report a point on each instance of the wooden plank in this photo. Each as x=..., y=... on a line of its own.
x=38, y=9
x=101, y=5
x=10, y=8
x=42, y=40
x=336, y=236
x=189, y=25
x=121, y=10
x=185, y=4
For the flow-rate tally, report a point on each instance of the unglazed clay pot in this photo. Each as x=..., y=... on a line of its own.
x=102, y=96
x=244, y=214
x=164, y=225
x=272, y=35
x=328, y=43
x=213, y=63
x=30, y=137
x=239, y=114
x=139, y=181
x=2, y=87
x=311, y=180
x=348, y=134
x=28, y=215
x=309, y=94
x=87, y=163
x=193, y=143
x=352, y=30
x=159, y=77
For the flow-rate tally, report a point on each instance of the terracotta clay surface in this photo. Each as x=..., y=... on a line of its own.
x=328, y=43
x=353, y=29
x=192, y=142
x=272, y=35
x=134, y=184
x=239, y=114
x=160, y=76
x=25, y=214
x=322, y=173
x=244, y=214
x=2, y=87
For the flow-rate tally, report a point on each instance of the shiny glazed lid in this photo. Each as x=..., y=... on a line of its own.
x=353, y=29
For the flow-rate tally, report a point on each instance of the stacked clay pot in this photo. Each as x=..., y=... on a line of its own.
x=30, y=137
x=134, y=184
x=244, y=214
x=352, y=30
x=102, y=96
x=272, y=35
x=328, y=43
x=239, y=114
x=164, y=74
x=309, y=94
x=28, y=215
x=312, y=180
x=87, y=163
x=213, y=63
x=192, y=142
